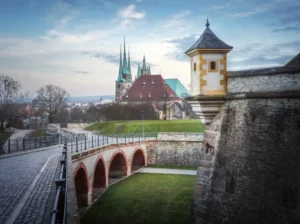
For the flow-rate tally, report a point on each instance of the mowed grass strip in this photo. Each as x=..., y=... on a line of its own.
x=145, y=199
x=173, y=167
x=37, y=133
x=149, y=125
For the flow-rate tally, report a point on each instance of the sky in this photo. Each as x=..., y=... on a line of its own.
x=75, y=44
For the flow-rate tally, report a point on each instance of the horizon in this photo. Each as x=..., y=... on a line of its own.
x=77, y=43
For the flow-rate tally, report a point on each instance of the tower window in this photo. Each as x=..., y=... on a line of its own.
x=119, y=86
x=194, y=67
x=213, y=66
x=144, y=84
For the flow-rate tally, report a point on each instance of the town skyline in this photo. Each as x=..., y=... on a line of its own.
x=75, y=44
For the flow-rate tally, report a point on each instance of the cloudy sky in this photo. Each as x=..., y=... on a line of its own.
x=75, y=43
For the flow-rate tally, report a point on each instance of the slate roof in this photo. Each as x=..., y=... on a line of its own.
x=295, y=61
x=143, y=86
x=178, y=87
x=208, y=40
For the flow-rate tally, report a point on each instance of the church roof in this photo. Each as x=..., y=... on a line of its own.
x=178, y=87
x=208, y=40
x=150, y=88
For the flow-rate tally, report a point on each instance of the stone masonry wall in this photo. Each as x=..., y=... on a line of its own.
x=264, y=80
x=180, y=136
x=255, y=176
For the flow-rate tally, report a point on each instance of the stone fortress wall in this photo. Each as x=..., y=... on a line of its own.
x=253, y=174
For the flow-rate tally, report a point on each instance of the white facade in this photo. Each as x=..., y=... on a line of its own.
x=213, y=78
x=195, y=76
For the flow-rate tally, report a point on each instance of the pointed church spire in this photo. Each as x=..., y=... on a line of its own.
x=149, y=70
x=124, y=57
x=120, y=77
x=144, y=67
x=138, y=71
x=129, y=67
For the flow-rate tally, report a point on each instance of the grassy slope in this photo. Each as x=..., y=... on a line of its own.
x=37, y=133
x=150, y=126
x=145, y=199
x=3, y=137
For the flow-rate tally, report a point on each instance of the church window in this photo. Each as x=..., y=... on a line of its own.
x=149, y=94
x=144, y=84
x=119, y=86
x=141, y=95
x=213, y=66
x=194, y=67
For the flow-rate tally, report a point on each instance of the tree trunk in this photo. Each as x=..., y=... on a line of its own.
x=2, y=125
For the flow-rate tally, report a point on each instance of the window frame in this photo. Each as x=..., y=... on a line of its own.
x=195, y=67
x=209, y=66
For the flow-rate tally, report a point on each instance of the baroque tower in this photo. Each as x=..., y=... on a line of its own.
x=124, y=81
x=208, y=58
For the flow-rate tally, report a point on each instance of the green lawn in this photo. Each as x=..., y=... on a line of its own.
x=3, y=137
x=37, y=133
x=145, y=199
x=173, y=167
x=109, y=127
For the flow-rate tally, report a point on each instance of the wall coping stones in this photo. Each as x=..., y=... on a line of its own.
x=180, y=136
x=253, y=95
x=264, y=72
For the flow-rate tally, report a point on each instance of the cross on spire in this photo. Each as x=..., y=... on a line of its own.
x=207, y=23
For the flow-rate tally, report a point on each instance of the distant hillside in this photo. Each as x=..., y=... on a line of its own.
x=295, y=61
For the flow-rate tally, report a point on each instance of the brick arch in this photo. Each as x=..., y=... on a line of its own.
x=116, y=169
x=81, y=185
x=99, y=177
x=138, y=159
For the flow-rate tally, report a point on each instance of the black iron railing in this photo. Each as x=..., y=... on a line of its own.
x=58, y=214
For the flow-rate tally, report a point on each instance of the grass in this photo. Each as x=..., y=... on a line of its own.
x=173, y=167
x=37, y=133
x=109, y=127
x=145, y=199
x=3, y=137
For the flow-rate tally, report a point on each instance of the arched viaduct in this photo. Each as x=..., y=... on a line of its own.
x=95, y=170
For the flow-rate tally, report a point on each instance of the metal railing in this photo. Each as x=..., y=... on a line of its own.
x=96, y=140
x=59, y=212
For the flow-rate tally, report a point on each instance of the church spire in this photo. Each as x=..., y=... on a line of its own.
x=124, y=57
x=120, y=77
x=129, y=67
x=144, y=67
x=138, y=71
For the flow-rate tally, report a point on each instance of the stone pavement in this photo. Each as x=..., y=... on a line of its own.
x=17, y=174
x=168, y=171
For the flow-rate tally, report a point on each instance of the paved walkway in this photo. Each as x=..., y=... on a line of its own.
x=18, y=133
x=25, y=183
x=168, y=171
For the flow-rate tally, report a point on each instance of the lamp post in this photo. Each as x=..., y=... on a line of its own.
x=142, y=113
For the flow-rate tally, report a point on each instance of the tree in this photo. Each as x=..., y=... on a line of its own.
x=52, y=98
x=9, y=92
x=77, y=114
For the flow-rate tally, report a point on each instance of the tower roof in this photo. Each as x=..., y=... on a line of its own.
x=208, y=40
x=120, y=76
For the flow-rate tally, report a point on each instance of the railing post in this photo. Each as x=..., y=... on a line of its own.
x=8, y=145
x=102, y=139
x=85, y=142
x=98, y=140
x=17, y=145
x=76, y=144
x=23, y=144
x=92, y=141
x=35, y=142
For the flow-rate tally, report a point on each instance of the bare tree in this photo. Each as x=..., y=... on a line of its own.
x=52, y=98
x=9, y=90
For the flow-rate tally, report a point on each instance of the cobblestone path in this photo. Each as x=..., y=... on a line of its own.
x=16, y=174
x=34, y=208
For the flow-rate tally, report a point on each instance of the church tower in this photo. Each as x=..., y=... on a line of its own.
x=208, y=57
x=144, y=70
x=124, y=81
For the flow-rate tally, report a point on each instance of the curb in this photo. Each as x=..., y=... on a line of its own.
x=29, y=151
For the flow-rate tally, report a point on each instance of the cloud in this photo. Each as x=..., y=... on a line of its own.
x=218, y=7
x=178, y=20
x=249, y=13
x=295, y=27
x=130, y=12
x=82, y=72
